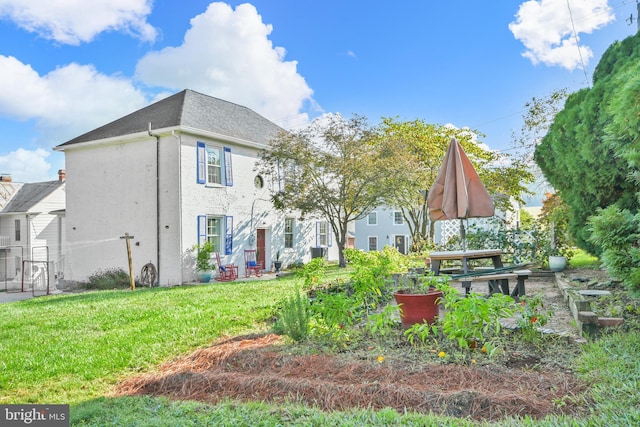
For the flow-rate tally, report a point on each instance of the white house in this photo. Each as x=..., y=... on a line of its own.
x=382, y=227
x=171, y=175
x=385, y=226
x=31, y=233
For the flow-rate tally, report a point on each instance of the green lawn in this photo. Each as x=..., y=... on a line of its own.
x=75, y=348
x=69, y=348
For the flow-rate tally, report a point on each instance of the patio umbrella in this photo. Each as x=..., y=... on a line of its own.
x=458, y=192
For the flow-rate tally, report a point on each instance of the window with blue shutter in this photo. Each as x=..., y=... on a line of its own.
x=214, y=165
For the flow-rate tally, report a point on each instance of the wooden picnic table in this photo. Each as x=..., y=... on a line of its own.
x=436, y=258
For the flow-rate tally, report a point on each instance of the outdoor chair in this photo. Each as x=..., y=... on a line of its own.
x=226, y=272
x=251, y=263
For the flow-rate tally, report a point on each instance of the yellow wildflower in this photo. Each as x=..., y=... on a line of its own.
x=442, y=354
x=380, y=359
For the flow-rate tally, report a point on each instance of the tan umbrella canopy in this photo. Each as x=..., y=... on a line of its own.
x=458, y=192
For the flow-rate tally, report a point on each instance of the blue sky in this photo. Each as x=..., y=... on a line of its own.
x=68, y=66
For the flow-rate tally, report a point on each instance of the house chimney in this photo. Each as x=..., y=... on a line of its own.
x=5, y=178
x=62, y=175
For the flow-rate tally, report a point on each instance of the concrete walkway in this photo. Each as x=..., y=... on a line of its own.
x=14, y=296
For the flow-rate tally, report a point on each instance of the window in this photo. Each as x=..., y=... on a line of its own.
x=214, y=232
x=372, y=218
x=218, y=230
x=17, y=224
x=373, y=243
x=288, y=233
x=398, y=219
x=214, y=165
x=323, y=236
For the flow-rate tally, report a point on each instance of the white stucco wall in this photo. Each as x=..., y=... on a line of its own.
x=111, y=190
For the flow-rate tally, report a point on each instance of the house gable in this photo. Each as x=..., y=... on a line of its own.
x=188, y=109
x=29, y=195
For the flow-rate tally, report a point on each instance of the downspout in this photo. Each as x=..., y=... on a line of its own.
x=157, y=137
x=179, y=138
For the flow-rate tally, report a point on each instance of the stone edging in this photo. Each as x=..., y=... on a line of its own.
x=586, y=320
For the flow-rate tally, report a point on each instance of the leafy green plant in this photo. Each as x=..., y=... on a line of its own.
x=473, y=318
x=294, y=317
x=423, y=283
x=203, y=257
x=382, y=323
x=336, y=309
x=313, y=272
x=533, y=315
x=468, y=320
x=371, y=274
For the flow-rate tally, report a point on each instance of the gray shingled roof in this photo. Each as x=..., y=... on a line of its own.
x=192, y=109
x=29, y=195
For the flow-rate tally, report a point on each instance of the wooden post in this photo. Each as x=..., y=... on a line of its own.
x=128, y=239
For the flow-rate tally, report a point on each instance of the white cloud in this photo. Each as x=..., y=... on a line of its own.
x=76, y=21
x=68, y=100
x=227, y=53
x=546, y=29
x=26, y=166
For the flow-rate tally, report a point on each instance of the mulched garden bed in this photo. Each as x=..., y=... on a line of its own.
x=259, y=368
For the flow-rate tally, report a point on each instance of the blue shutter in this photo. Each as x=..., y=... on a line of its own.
x=228, y=237
x=201, y=160
x=228, y=170
x=202, y=229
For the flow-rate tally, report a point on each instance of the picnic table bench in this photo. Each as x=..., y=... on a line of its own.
x=497, y=279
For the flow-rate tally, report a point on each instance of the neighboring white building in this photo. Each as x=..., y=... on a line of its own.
x=171, y=175
x=31, y=233
x=386, y=226
x=382, y=227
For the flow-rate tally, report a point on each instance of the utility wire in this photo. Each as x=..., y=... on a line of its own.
x=575, y=35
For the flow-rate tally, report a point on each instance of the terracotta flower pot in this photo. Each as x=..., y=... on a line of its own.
x=418, y=308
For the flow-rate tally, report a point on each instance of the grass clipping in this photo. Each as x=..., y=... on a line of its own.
x=255, y=369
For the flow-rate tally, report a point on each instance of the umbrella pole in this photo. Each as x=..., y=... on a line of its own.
x=463, y=235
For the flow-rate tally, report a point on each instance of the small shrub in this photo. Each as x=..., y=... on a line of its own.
x=533, y=315
x=616, y=232
x=294, y=317
x=111, y=278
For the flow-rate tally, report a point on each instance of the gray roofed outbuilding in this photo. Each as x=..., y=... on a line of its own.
x=29, y=195
x=193, y=110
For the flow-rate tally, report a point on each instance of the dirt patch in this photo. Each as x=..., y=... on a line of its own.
x=258, y=368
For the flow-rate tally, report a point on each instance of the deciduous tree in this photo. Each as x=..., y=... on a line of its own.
x=417, y=150
x=334, y=168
